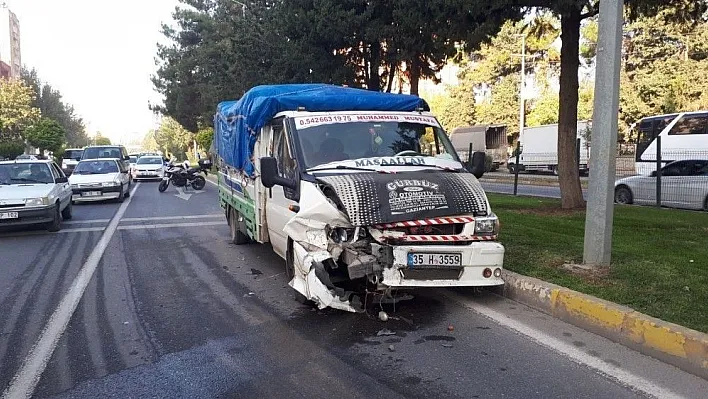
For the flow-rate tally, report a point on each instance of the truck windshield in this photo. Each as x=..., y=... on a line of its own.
x=332, y=142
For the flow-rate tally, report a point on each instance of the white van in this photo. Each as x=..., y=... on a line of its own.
x=340, y=182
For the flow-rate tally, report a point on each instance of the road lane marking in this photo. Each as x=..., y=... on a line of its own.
x=159, y=218
x=26, y=379
x=170, y=225
x=575, y=354
x=91, y=221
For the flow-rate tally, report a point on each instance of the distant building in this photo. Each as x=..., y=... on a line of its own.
x=10, y=58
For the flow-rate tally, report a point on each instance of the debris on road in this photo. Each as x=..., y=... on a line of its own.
x=383, y=316
x=447, y=345
x=450, y=328
x=391, y=348
x=256, y=272
x=385, y=332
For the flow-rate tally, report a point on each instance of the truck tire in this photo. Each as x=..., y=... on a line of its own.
x=237, y=229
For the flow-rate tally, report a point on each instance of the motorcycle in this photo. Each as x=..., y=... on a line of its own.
x=182, y=175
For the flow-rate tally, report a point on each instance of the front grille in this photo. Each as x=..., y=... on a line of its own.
x=449, y=273
x=438, y=229
x=11, y=206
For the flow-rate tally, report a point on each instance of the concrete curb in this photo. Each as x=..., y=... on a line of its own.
x=680, y=346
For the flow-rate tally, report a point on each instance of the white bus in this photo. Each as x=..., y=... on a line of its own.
x=683, y=136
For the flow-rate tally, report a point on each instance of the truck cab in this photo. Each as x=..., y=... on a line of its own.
x=362, y=200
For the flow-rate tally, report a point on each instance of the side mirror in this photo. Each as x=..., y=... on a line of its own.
x=653, y=174
x=270, y=176
x=62, y=179
x=78, y=159
x=126, y=158
x=477, y=166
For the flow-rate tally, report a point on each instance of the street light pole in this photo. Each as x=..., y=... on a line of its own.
x=600, y=207
x=522, y=108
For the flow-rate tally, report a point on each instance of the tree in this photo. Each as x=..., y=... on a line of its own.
x=46, y=135
x=101, y=140
x=572, y=13
x=173, y=138
x=16, y=110
x=204, y=138
x=49, y=101
x=149, y=143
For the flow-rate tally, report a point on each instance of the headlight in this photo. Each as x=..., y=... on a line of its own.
x=35, y=202
x=108, y=184
x=339, y=234
x=486, y=225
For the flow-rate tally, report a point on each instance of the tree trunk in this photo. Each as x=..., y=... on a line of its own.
x=568, y=175
x=374, y=83
x=391, y=76
x=414, y=75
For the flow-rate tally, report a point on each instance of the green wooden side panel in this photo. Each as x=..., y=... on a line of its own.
x=244, y=206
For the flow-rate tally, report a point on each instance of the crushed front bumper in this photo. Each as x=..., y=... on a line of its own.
x=476, y=257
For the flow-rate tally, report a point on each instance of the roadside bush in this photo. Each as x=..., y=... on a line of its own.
x=11, y=149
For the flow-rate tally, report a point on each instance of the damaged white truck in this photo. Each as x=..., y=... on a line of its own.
x=359, y=192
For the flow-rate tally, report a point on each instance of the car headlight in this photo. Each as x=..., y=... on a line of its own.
x=339, y=235
x=108, y=184
x=35, y=201
x=486, y=225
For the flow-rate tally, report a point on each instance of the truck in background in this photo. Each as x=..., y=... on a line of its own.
x=340, y=183
x=488, y=138
x=539, y=149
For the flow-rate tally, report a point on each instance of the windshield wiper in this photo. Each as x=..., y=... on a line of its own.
x=30, y=180
x=345, y=167
x=425, y=166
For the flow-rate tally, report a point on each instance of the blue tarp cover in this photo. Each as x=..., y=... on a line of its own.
x=238, y=123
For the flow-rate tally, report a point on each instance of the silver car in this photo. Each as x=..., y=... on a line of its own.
x=684, y=184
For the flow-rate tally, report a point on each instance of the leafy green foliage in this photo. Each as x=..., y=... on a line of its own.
x=16, y=110
x=49, y=101
x=10, y=148
x=46, y=135
x=172, y=138
x=101, y=140
x=149, y=142
x=204, y=138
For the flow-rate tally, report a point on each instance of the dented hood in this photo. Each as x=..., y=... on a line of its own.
x=374, y=198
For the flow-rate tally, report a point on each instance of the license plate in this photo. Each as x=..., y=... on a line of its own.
x=91, y=194
x=9, y=215
x=433, y=259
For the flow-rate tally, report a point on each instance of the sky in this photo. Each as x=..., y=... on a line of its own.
x=99, y=54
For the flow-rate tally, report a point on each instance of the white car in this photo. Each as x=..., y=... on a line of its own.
x=100, y=179
x=33, y=192
x=70, y=158
x=148, y=167
x=684, y=184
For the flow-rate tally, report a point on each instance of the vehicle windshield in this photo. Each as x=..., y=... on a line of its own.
x=95, y=167
x=331, y=142
x=150, y=161
x=72, y=154
x=19, y=173
x=102, y=152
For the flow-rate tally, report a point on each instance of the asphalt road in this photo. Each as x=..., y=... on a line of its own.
x=169, y=309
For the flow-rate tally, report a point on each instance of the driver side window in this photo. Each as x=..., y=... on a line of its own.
x=287, y=166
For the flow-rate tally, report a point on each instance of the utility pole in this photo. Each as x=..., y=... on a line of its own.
x=522, y=108
x=600, y=207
